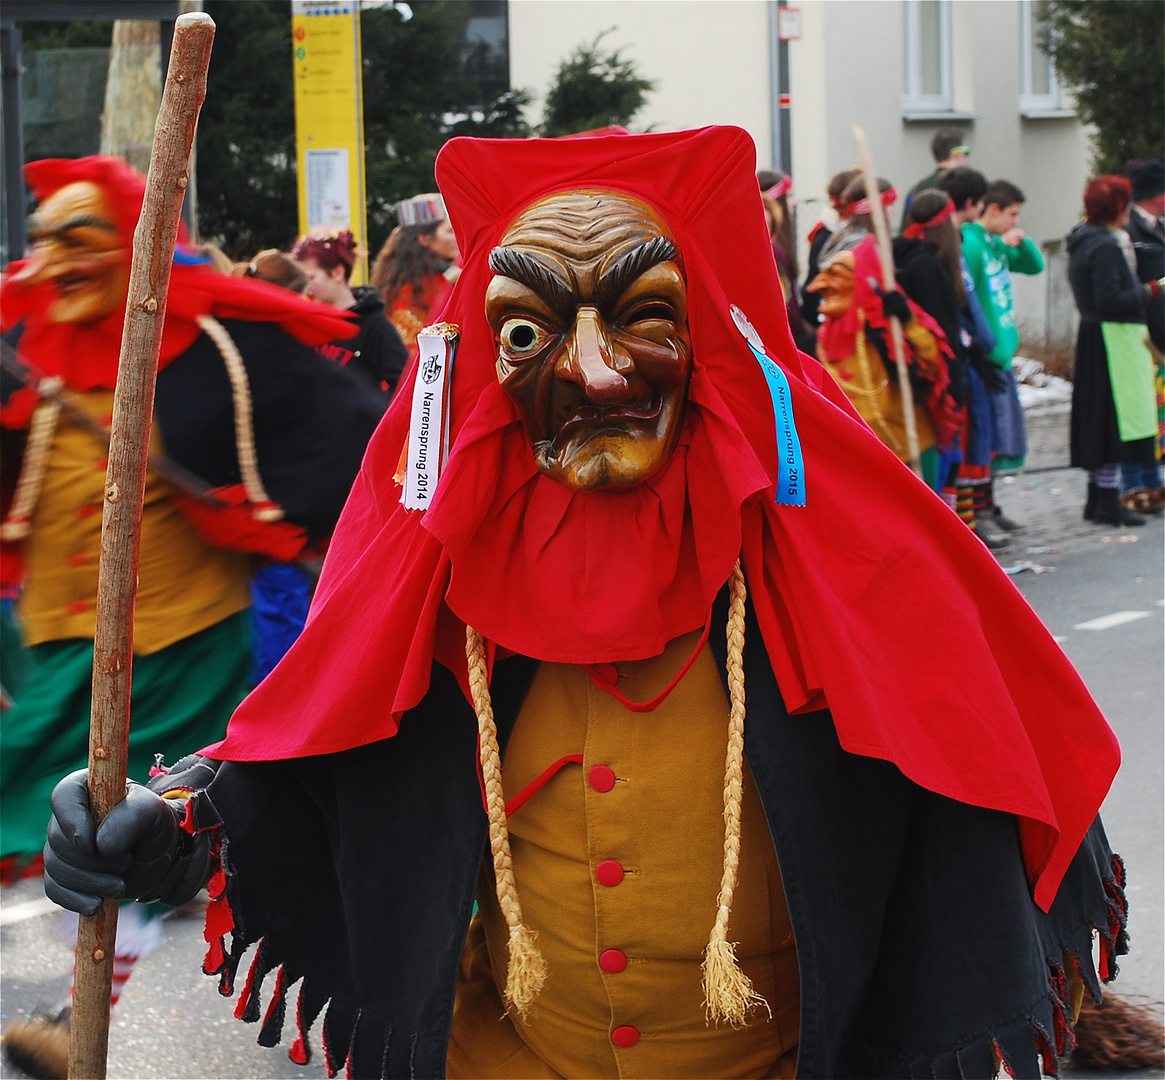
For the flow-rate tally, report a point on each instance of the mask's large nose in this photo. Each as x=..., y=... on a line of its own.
x=593, y=361
x=44, y=265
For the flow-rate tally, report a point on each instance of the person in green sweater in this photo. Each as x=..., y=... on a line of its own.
x=994, y=247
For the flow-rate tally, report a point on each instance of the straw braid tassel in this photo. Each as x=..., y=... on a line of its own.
x=264, y=508
x=728, y=993
x=41, y=430
x=527, y=966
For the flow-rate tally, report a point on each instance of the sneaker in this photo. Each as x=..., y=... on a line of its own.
x=1005, y=523
x=988, y=530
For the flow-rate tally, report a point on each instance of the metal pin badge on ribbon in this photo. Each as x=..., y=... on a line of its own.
x=791, y=481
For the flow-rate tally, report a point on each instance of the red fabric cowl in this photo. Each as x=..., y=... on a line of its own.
x=872, y=599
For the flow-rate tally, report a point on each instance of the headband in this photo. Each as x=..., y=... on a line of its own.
x=916, y=230
x=862, y=206
x=781, y=187
x=421, y=210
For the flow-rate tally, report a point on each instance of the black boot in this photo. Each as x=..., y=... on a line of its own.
x=1111, y=511
x=1090, y=504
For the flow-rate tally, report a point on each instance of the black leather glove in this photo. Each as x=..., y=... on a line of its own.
x=894, y=304
x=139, y=852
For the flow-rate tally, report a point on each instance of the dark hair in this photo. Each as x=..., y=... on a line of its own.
x=963, y=184
x=1148, y=178
x=837, y=184
x=855, y=191
x=274, y=267
x=1002, y=193
x=404, y=260
x=945, y=140
x=780, y=220
x=1106, y=197
x=327, y=250
x=944, y=236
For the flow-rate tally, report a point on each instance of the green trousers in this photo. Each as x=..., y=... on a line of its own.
x=182, y=697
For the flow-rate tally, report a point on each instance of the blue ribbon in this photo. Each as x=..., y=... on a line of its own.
x=791, y=482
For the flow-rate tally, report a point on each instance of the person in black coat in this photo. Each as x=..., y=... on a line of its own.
x=377, y=351
x=1146, y=229
x=1107, y=294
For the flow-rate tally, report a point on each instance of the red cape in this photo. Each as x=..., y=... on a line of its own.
x=873, y=599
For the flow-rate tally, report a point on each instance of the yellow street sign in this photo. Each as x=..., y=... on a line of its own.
x=329, y=120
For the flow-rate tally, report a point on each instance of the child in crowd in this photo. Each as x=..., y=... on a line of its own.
x=994, y=246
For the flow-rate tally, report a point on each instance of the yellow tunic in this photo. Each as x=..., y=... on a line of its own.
x=184, y=586
x=662, y=822
x=879, y=400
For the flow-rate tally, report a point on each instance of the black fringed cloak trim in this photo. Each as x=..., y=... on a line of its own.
x=921, y=952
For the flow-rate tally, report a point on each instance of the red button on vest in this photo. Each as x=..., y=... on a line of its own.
x=625, y=1036
x=609, y=872
x=608, y=673
x=601, y=778
x=612, y=961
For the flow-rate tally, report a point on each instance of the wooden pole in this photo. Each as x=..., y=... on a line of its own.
x=125, y=482
x=886, y=253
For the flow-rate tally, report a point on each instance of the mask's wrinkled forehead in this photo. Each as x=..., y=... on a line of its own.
x=579, y=236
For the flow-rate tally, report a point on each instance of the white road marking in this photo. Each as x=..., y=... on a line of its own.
x=1059, y=638
x=1107, y=622
x=32, y=909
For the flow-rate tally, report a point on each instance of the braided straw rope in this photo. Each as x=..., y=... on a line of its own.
x=728, y=993
x=527, y=967
x=264, y=508
x=41, y=430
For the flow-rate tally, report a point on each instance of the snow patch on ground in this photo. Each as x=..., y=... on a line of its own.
x=1036, y=387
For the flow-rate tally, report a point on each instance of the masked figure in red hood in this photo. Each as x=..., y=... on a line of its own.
x=232, y=371
x=642, y=677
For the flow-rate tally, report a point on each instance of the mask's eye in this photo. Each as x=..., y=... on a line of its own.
x=521, y=337
x=653, y=312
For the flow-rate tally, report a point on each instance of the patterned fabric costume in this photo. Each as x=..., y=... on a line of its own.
x=940, y=861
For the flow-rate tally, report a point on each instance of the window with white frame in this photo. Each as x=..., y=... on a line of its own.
x=927, y=51
x=1039, y=87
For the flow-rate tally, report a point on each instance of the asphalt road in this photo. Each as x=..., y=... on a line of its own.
x=172, y=1023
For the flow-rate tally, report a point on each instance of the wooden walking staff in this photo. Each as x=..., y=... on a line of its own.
x=882, y=233
x=125, y=482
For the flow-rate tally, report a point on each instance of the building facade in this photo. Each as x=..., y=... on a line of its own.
x=900, y=68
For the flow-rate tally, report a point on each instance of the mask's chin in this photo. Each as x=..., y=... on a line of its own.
x=610, y=456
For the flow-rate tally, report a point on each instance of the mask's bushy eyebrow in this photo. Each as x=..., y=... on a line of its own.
x=632, y=265
x=534, y=274
x=77, y=221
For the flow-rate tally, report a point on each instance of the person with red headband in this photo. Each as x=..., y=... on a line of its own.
x=854, y=347
x=776, y=194
x=327, y=256
x=228, y=483
x=640, y=671
x=927, y=268
x=831, y=219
